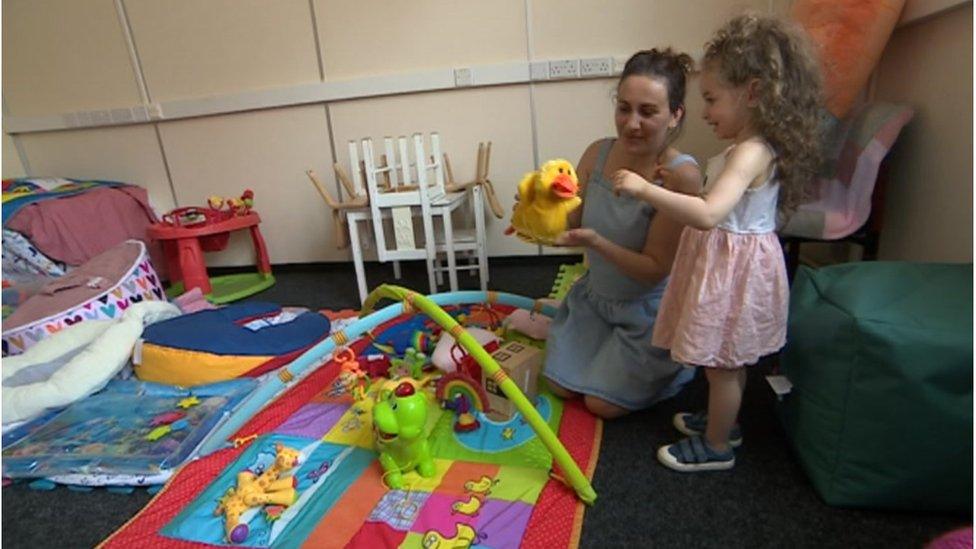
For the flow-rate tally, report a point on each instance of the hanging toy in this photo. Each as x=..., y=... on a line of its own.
x=355, y=381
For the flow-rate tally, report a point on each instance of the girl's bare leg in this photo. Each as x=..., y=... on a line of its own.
x=725, y=389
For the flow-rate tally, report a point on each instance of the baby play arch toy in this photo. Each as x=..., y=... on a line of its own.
x=410, y=301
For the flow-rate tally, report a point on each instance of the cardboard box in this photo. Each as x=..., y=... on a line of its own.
x=522, y=363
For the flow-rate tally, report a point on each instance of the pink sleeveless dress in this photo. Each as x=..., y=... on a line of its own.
x=728, y=295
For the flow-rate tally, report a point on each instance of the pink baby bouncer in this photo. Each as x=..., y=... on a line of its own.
x=101, y=289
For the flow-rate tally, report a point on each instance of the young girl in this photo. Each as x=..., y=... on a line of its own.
x=727, y=301
x=600, y=341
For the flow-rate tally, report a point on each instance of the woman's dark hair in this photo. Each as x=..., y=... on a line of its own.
x=668, y=65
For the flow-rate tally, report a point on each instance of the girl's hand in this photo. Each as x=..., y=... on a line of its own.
x=575, y=238
x=626, y=182
x=667, y=177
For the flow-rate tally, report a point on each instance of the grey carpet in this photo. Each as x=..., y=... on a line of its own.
x=765, y=501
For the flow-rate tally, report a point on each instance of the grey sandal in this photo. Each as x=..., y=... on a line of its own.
x=696, y=423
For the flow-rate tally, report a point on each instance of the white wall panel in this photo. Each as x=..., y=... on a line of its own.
x=12, y=166
x=267, y=152
x=379, y=37
x=782, y=8
x=194, y=49
x=129, y=154
x=500, y=115
x=571, y=115
x=579, y=28
x=64, y=55
x=929, y=198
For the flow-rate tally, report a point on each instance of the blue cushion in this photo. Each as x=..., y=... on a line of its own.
x=222, y=331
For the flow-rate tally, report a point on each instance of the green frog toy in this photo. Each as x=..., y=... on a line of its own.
x=399, y=419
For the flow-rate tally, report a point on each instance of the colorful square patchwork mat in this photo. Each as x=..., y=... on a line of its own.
x=492, y=487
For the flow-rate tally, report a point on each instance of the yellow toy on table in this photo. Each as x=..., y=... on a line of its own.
x=544, y=198
x=251, y=491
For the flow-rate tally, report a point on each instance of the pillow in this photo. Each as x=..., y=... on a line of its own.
x=855, y=148
x=447, y=356
x=851, y=36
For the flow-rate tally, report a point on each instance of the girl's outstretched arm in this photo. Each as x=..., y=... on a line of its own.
x=746, y=163
x=652, y=263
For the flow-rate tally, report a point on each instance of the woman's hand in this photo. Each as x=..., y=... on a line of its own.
x=576, y=238
x=628, y=183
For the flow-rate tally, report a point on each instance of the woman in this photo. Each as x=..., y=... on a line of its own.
x=599, y=344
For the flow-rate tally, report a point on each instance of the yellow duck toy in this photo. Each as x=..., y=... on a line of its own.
x=545, y=197
x=251, y=491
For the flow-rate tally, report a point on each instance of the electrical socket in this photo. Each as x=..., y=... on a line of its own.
x=564, y=68
x=596, y=66
x=539, y=70
x=462, y=77
x=618, y=65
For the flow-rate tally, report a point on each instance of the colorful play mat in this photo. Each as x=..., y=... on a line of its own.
x=507, y=483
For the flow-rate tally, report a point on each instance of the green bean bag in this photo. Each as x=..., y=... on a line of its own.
x=880, y=355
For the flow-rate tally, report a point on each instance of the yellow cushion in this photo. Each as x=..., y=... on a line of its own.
x=188, y=368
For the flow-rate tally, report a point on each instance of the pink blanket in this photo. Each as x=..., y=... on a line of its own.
x=856, y=146
x=77, y=228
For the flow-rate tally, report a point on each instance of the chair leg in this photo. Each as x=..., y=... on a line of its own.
x=871, y=244
x=357, y=258
x=431, y=271
x=438, y=273
x=397, y=273
x=449, y=247
x=792, y=251
x=480, y=238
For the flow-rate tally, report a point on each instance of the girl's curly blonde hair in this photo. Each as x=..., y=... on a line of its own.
x=780, y=57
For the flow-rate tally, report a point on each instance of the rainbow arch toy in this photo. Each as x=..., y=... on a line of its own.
x=456, y=384
x=461, y=393
x=410, y=301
